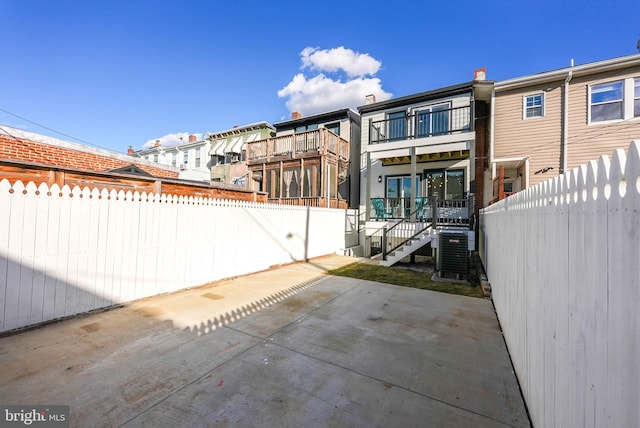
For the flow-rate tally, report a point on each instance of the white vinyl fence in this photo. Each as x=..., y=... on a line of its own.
x=563, y=260
x=67, y=251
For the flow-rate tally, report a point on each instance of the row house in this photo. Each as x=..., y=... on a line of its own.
x=547, y=123
x=191, y=158
x=229, y=151
x=423, y=163
x=311, y=161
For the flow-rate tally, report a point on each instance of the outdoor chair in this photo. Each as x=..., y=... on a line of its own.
x=422, y=209
x=381, y=211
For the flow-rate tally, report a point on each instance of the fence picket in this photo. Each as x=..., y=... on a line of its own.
x=65, y=251
x=571, y=321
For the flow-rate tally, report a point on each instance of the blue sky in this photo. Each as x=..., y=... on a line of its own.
x=120, y=73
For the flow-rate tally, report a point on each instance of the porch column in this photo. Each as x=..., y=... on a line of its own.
x=414, y=191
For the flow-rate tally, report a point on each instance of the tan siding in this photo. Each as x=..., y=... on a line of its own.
x=538, y=138
x=590, y=141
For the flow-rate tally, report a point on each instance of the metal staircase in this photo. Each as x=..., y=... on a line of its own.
x=408, y=246
x=390, y=244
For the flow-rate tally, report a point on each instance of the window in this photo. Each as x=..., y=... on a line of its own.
x=311, y=181
x=333, y=127
x=292, y=186
x=305, y=128
x=400, y=187
x=432, y=121
x=185, y=158
x=217, y=160
x=606, y=101
x=173, y=159
x=273, y=183
x=455, y=184
x=397, y=125
x=197, y=158
x=534, y=106
x=434, y=184
x=155, y=158
x=447, y=184
x=636, y=97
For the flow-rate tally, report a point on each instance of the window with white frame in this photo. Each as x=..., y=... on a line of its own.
x=198, y=158
x=606, y=101
x=185, y=158
x=533, y=106
x=636, y=97
x=617, y=100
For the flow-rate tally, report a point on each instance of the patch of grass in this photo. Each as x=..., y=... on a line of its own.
x=403, y=277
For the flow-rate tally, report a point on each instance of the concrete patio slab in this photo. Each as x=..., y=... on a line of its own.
x=287, y=347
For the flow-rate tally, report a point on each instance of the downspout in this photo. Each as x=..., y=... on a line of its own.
x=492, y=132
x=565, y=120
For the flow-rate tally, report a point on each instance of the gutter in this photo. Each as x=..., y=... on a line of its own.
x=579, y=70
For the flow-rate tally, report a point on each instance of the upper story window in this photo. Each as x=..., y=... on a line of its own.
x=305, y=128
x=534, y=106
x=397, y=125
x=173, y=159
x=197, y=158
x=636, y=97
x=432, y=121
x=185, y=158
x=155, y=158
x=606, y=101
x=333, y=127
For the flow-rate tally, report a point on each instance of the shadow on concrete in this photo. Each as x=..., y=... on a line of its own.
x=243, y=311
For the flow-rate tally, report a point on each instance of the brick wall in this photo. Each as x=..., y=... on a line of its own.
x=20, y=149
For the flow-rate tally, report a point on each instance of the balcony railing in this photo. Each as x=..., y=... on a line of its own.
x=422, y=124
x=310, y=201
x=319, y=141
x=450, y=211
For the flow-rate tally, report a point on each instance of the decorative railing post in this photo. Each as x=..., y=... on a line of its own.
x=384, y=243
x=434, y=210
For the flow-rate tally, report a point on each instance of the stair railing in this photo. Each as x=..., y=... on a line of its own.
x=404, y=231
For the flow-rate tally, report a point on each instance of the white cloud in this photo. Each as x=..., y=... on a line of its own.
x=171, y=140
x=324, y=92
x=354, y=64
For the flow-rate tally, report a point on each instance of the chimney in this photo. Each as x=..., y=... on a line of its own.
x=370, y=99
x=157, y=143
x=130, y=151
x=296, y=115
x=192, y=138
x=480, y=74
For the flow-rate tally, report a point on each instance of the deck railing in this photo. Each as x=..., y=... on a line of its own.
x=422, y=124
x=450, y=211
x=319, y=141
x=310, y=201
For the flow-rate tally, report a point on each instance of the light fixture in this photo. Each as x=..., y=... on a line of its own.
x=379, y=179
